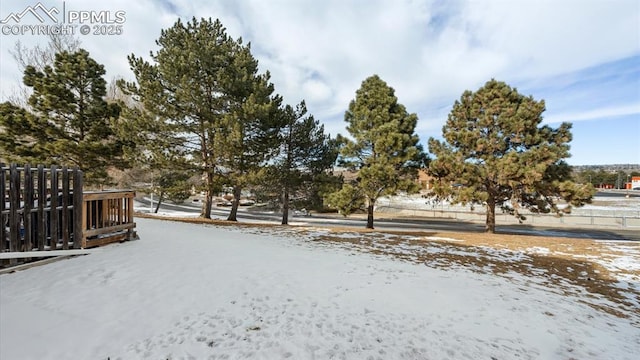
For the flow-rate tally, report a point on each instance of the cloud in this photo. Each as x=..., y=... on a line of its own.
x=549, y=37
x=431, y=51
x=570, y=53
x=601, y=113
x=316, y=90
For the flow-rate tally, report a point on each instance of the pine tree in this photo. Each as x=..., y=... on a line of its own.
x=21, y=137
x=249, y=135
x=172, y=185
x=499, y=155
x=347, y=200
x=152, y=145
x=305, y=153
x=188, y=86
x=384, y=150
x=39, y=56
x=219, y=111
x=69, y=122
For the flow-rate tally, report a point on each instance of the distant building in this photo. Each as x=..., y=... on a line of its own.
x=424, y=180
x=634, y=184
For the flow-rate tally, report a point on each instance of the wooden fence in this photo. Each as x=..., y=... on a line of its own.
x=45, y=209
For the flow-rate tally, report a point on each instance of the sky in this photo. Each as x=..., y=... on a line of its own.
x=581, y=56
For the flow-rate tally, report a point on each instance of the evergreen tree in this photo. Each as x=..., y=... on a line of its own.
x=384, y=150
x=69, y=122
x=249, y=135
x=186, y=88
x=305, y=153
x=346, y=200
x=152, y=146
x=21, y=138
x=216, y=109
x=171, y=185
x=39, y=56
x=499, y=155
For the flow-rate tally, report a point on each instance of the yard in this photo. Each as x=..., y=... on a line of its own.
x=203, y=291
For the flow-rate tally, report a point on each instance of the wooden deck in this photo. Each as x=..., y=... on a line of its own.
x=108, y=217
x=46, y=209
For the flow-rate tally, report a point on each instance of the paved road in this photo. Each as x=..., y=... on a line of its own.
x=618, y=193
x=423, y=224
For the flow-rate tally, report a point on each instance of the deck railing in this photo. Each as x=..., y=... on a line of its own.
x=108, y=217
x=45, y=209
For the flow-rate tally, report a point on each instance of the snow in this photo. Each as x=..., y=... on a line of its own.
x=441, y=238
x=138, y=206
x=538, y=250
x=187, y=291
x=48, y=253
x=602, y=205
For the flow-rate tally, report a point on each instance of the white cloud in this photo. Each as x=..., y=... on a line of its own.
x=602, y=113
x=546, y=37
x=429, y=51
x=316, y=90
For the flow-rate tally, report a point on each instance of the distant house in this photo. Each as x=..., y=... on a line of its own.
x=424, y=180
x=605, y=186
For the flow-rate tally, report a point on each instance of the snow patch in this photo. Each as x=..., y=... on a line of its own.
x=200, y=291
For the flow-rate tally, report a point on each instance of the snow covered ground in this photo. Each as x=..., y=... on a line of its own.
x=601, y=205
x=187, y=291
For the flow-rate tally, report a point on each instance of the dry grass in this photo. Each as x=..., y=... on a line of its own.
x=567, y=265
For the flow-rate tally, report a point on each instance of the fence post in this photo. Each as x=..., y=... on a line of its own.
x=26, y=209
x=14, y=204
x=42, y=198
x=65, y=208
x=14, y=215
x=3, y=199
x=129, y=210
x=78, y=213
x=53, y=212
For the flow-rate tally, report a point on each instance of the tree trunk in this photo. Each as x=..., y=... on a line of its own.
x=206, y=206
x=208, y=199
x=159, y=202
x=370, y=215
x=285, y=206
x=490, y=225
x=233, y=215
